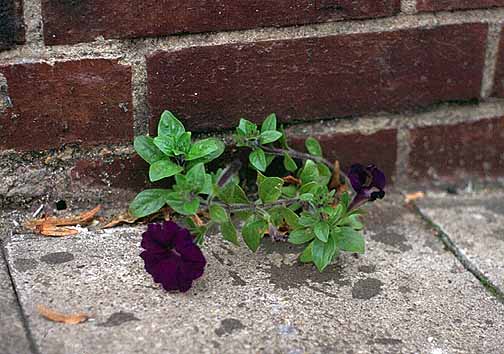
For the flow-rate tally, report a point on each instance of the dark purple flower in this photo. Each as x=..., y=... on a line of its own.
x=367, y=182
x=171, y=256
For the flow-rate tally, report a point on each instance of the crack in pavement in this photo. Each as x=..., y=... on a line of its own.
x=461, y=257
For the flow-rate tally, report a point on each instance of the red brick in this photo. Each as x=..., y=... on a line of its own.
x=79, y=21
x=211, y=87
x=12, y=30
x=498, y=88
x=454, y=150
x=124, y=173
x=438, y=5
x=86, y=101
x=379, y=148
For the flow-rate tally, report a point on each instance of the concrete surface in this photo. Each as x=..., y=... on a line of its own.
x=13, y=338
x=475, y=223
x=405, y=295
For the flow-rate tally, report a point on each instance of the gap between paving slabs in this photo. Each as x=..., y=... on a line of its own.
x=490, y=286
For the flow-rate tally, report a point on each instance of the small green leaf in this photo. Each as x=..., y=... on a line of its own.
x=306, y=256
x=196, y=177
x=325, y=174
x=246, y=127
x=229, y=232
x=313, y=146
x=165, y=144
x=298, y=237
x=258, y=159
x=269, y=159
x=145, y=147
x=290, y=217
x=218, y=214
x=289, y=191
x=289, y=163
x=270, y=189
x=162, y=169
x=148, y=202
x=307, y=219
x=182, y=144
x=203, y=148
x=323, y=253
x=350, y=240
x=309, y=173
x=190, y=207
x=344, y=201
x=169, y=125
x=321, y=230
x=352, y=221
x=269, y=136
x=232, y=193
x=310, y=187
x=253, y=232
x=306, y=197
x=270, y=123
x=176, y=201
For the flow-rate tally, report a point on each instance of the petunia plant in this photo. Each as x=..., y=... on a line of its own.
x=313, y=204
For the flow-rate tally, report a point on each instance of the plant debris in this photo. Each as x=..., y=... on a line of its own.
x=413, y=196
x=56, y=316
x=57, y=227
x=123, y=218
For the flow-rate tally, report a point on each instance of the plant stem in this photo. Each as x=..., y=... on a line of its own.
x=233, y=208
x=304, y=156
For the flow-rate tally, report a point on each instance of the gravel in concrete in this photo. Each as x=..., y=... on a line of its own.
x=475, y=223
x=405, y=295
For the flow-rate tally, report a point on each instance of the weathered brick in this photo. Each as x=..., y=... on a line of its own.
x=12, y=30
x=211, y=87
x=43, y=106
x=438, y=5
x=498, y=88
x=475, y=148
x=70, y=21
x=379, y=148
x=125, y=173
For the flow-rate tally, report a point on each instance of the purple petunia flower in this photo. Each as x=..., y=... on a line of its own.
x=171, y=256
x=368, y=184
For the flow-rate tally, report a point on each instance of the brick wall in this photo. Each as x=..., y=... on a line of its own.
x=415, y=86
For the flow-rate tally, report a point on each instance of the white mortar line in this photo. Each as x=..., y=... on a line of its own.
x=32, y=14
x=491, y=57
x=139, y=99
x=402, y=158
x=409, y=6
x=132, y=50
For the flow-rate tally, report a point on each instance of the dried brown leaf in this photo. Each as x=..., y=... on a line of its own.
x=292, y=180
x=123, y=218
x=56, y=316
x=336, y=176
x=413, y=196
x=197, y=220
x=55, y=231
x=81, y=219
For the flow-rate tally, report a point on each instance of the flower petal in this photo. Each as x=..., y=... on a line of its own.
x=357, y=176
x=379, y=179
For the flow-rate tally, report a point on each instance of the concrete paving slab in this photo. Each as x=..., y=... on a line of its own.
x=405, y=295
x=475, y=223
x=13, y=338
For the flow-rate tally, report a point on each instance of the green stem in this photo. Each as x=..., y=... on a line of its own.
x=234, y=208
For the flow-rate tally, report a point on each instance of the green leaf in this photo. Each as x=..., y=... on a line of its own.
x=269, y=136
x=310, y=187
x=207, y=186
x=323, y=253
x=307, y=219
x=270, y=123
x=196, y=176
x=229, y=232
x=352, y=221
x=232, y=193
x=270, y=189
x=289, y=191
x=350, y=240
x=309, y=173
x=246, y=127
x=306, y=256
x=290, y=217
x=321, y=230
x=203, y=148
x=269, y=159
x=218, y=214
x=148, y=202
x=162, y=169
x=253, y=232
x=325, y=174
x=298, y=237
x=289, y=163
x=169, y=125
x=306, y=197
x=190, y=207
x=344, y=201
x=182, y=144
x=176, y=201
x=313, y=146
x=165, y=144
x=145, y=147
x=258, y=159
